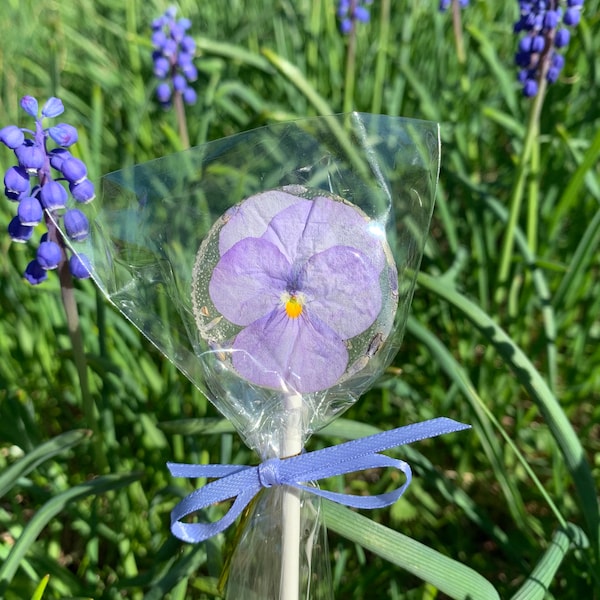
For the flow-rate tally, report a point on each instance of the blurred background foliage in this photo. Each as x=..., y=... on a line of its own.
x=491, y=498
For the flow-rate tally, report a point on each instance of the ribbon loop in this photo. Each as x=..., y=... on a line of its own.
x=243, y=483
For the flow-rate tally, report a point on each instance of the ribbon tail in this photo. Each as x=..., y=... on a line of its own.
x=193, y=471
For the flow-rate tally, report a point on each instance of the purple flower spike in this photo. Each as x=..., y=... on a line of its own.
x=34, y=273
x=537, y=50
x=11, y=136
x=37, y=189
x=173, y=56
x=349, y=14
x=53, y=108
x=301, y=277
x=30, y=105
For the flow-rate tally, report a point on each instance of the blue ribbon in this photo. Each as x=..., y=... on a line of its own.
x=243, y=482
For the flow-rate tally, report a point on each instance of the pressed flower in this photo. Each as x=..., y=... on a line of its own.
x=300, y=277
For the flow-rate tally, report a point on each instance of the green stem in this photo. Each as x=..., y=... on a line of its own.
x=181, y=120
x=459, y=42
x=519, y=188
x=533, y=198
x=458, y=33
x=350, y=74
x=73, y=326
x=382, y=53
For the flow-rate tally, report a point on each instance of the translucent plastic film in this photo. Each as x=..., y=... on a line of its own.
x=275, y=268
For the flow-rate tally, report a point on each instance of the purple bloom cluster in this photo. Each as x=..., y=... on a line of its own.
x=173, y=58
x=350, y=11
x=445, y=4
x=39, y=193
x=542, y=22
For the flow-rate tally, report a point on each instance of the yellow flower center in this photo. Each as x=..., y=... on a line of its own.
x=293, y=305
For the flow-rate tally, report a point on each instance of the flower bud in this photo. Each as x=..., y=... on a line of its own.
x=76, y=225
x=63, y=134
x=74, y=170
x=34, y=273
x=30, y=105
x=53, y=108
x=30, y=211
x=11, y=136
x=83, y=192
x=16, y=179
x=53, y=195
x=49, y=255
x=80, y=266
x=18, y=232
x=30, y=156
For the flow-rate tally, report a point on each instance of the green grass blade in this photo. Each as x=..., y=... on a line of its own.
x=536, y=585
x=39, y=590
x=449, y=576
x=52, y=508
x=487, y=420
x=43, y=452
x=546, y=401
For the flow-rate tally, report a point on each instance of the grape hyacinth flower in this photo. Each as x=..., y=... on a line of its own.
x=351, y=11
x=298, y=288
x=173, y=58
x=543, y=22
x=445, y=4
x=36, y=184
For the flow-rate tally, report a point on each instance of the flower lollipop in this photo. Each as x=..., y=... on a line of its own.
x=275, y=269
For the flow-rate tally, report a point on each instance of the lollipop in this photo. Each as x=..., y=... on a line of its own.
x=275, y=268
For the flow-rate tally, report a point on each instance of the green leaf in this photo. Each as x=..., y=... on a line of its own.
x=449, y=576
x=43, y=452
x=536, y=585
x=50, y=510
x=546, y=401
x=39, y=590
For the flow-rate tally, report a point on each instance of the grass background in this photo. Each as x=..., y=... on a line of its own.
x=492, y=498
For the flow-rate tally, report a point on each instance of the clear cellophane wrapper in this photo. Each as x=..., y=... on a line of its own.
x=163, y=230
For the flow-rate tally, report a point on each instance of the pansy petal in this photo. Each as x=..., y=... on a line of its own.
x=303, y=354
x=342, y=289
x=248, y=281
x=252, y=217
x=305, y=229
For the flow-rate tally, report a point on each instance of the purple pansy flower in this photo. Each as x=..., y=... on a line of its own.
x=301, y=277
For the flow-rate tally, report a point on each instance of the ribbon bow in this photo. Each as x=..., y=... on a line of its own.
x=243, y=482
